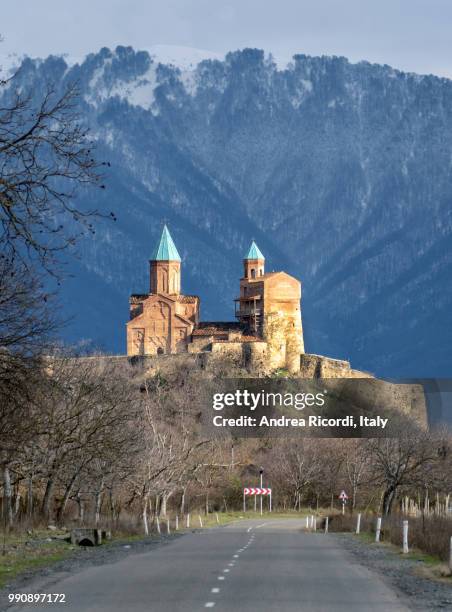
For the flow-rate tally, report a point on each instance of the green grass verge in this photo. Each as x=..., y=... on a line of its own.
x=22, y=559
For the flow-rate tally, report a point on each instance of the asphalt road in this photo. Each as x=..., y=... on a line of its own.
x=252, y=565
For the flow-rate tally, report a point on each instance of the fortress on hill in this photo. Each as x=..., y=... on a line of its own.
x=267, y=334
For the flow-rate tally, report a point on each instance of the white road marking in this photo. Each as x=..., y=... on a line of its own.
x=220, y=577
x=225, y=571
x=231, y=564
x=249, y=529
x=209, y=604
x=259, y=526
x=215, y=590
x=236, y=556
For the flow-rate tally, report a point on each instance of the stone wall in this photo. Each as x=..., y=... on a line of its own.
x=318, y=366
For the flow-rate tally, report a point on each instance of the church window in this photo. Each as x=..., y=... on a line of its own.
x=253, y=273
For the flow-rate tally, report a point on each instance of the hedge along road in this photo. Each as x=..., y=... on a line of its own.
x=263, y=565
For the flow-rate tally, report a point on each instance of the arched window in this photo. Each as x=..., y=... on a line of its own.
x=160, y=351
x=253, y=273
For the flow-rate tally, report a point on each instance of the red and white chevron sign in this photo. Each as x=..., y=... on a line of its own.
x=256, y=491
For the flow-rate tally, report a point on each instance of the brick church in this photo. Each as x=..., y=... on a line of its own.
x=268, y=316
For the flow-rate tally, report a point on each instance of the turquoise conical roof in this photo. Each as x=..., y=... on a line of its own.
x=165, y=249
x=254, y=252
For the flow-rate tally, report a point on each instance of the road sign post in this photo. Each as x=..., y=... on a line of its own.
x=255, y=491
x=261, y=472
x=343, y=497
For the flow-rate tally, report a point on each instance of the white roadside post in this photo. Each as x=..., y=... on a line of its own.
x=158, y=524
x=244, y=502
x=315, y=523
x=358, y=524
x=188, y=520
x=216, y=516
x=405, y=537
x=177, y=522
x=168, y=530
x=307, y=522
x=377, y=533
x=200, y=520
x=270, y=500
x=326, y=524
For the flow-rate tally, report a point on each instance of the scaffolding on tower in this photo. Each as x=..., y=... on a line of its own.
x=249, y=312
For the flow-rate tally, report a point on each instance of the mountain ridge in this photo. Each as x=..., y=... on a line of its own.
x=340, y=171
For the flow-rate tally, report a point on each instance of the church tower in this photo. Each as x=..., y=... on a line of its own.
x=254, y=262
x=162, y=321
x=165, y=266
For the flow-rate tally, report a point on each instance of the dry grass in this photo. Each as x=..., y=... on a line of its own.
x=431, y=535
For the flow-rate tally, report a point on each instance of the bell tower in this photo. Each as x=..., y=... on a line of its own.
x=165, y=266
x=253, y=263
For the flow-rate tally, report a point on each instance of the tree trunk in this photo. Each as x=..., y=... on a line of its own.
x=17, y=505
x=65, y=499
x=145, y=516
x=182, y=501
x=81, y=509
x=7, y=497
x=388, y=498
x=47, y=501
x=163, y=506
x=30, y=496
x=113, y=511
x=98, y=502
x=157, y=505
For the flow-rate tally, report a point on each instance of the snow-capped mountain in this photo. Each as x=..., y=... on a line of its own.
x=341, y=172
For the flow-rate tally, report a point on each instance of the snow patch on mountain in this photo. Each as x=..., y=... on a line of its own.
x=137, y=92
x=185, y=58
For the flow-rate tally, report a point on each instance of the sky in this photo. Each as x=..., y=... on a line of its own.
x=412, y=35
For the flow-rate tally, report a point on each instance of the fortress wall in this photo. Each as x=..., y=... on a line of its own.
x=317, y=366
x=198, y=344
x=255, y=357
x=228, y=350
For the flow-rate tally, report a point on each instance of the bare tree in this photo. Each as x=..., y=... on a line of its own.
x=400, y=461
x=356, y=465
x=45, y=155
